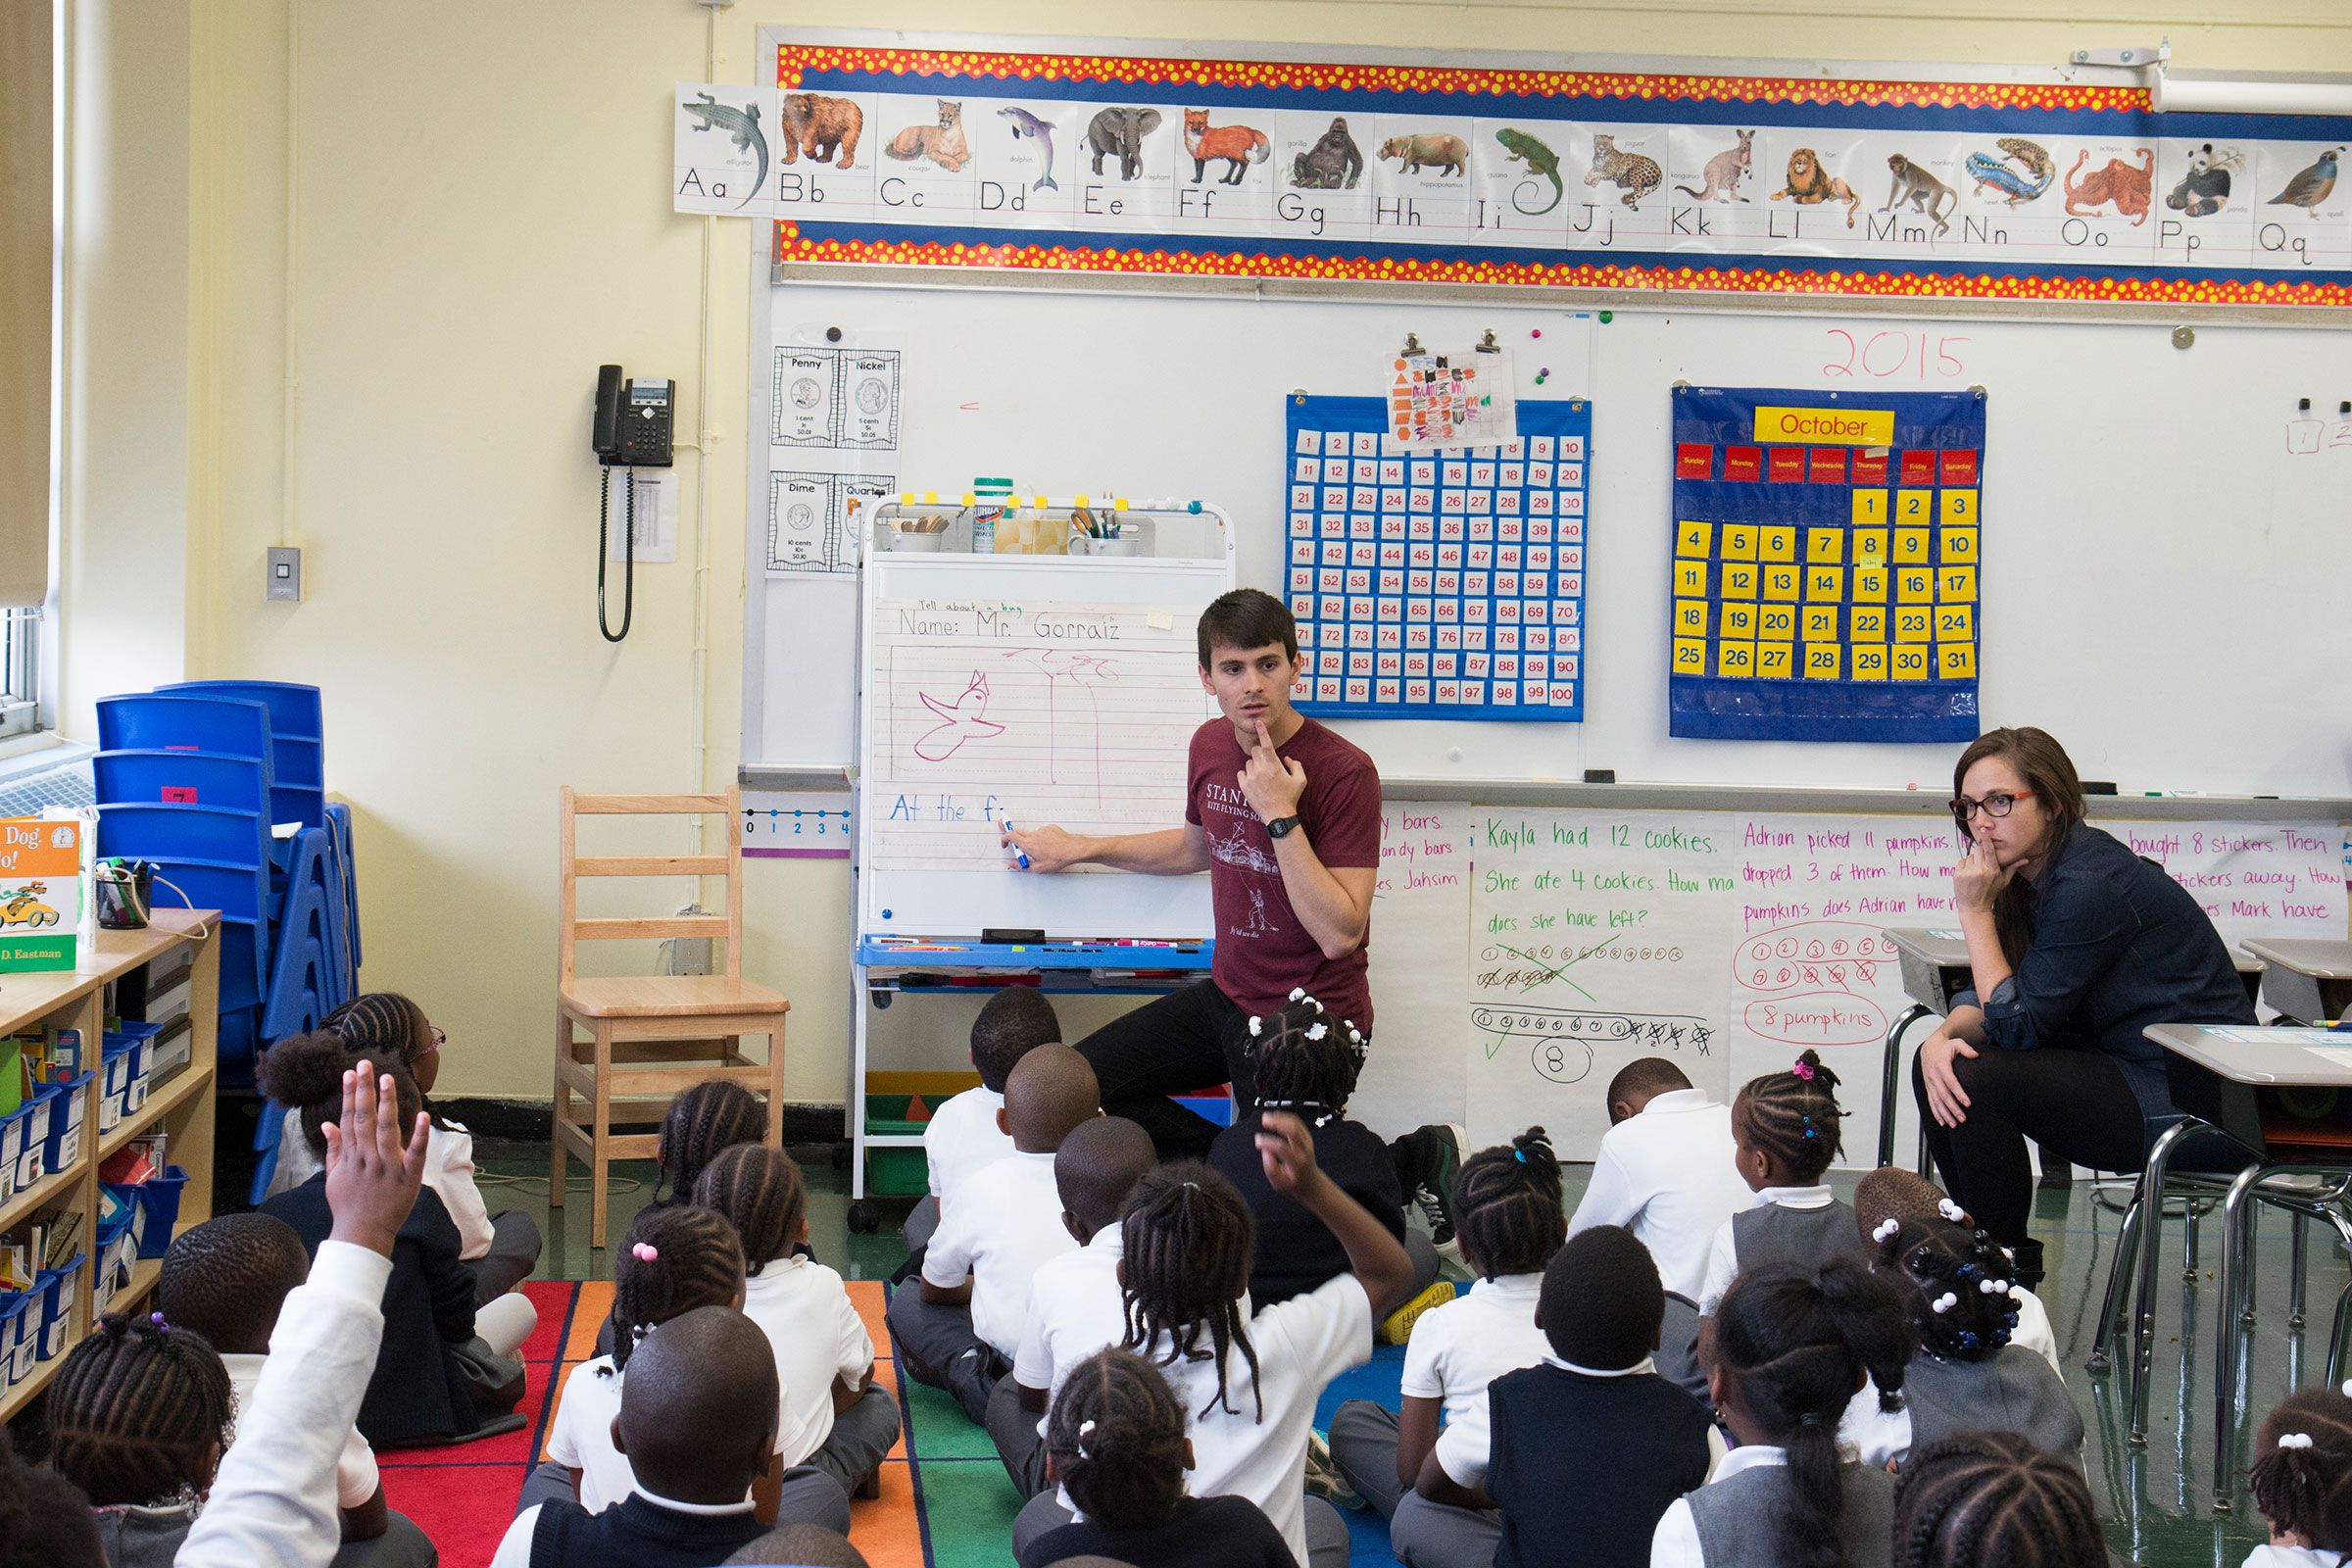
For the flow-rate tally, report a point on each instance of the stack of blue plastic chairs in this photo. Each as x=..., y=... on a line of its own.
x=221, y=785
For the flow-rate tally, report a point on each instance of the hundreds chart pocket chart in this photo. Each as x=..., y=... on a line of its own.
x=1446, y=584
x=1825, y=565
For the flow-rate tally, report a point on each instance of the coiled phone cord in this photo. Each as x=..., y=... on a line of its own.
x=604, y=526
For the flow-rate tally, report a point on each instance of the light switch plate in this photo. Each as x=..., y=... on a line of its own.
x=285, y=574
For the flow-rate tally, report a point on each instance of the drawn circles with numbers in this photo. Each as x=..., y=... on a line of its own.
x=800, y=517
x=805, y=393
x=873, y=395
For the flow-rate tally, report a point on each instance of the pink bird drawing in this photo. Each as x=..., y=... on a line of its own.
x=962, y=720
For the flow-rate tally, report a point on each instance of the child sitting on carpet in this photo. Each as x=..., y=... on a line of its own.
x=834, y=1415
x=2302, y=1467
x=1994, y=1499
x=1508, y=1219
x=503, y=1248
x=696, y=1424
x=1577, y=1457
x=1786, y=1128
x=701, y=1123
x=1893, y=1193
x=1791, y=1347
x=967, y=1131
x=959, y=1327
x=446, y=1372
x=1306, y=1063
x=1664, y=1170
x=226, y=1279
x=1116, y=1444
x=1251, y=1382
x=1074, y=1304
x=139, y=1417
x=1955, y=1282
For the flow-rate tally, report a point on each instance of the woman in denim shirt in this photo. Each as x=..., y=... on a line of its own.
x=2078, y=945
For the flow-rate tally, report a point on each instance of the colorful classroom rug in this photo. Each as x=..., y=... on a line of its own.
x=944, y=1503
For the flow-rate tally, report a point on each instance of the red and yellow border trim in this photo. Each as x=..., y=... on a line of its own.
x=795, y=60
x=1856, y=279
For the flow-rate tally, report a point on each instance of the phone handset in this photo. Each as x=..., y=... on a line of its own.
x=631, y=430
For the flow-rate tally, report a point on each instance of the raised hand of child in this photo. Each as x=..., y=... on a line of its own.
x=372, y=1177
x=1288, y=1149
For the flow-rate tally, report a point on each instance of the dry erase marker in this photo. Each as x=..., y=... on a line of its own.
x=1020, y=856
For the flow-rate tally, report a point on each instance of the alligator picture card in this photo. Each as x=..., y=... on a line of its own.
x=724, y=150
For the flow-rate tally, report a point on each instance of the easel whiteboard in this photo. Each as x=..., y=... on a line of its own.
x=1024, y=737
x=2170, y=576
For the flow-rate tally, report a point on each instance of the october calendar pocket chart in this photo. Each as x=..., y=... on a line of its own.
x=1826, y=565
x=1446, y=584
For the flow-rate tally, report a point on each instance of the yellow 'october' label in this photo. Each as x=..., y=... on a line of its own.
x=1851, y=427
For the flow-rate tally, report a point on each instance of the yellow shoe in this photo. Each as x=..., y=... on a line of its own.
x=1399, y=1326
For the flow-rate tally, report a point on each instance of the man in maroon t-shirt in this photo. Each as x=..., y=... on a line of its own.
x=1284, y=816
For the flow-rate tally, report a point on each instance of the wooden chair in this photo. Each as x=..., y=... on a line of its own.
x=652, y=1037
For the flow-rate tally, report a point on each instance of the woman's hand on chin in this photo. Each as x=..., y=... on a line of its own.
x=1977, y=880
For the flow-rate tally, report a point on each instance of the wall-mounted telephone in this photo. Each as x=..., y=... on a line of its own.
x=631, y=430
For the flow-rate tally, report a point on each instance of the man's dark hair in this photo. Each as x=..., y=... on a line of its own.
x=1602, y=1303
x=1246, y=619
x=1014, y=1022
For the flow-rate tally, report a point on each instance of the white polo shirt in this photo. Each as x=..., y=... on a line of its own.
x=1301, y=1345
x=1458, y=1349
x=805, y=1310
x=1074, y=1311
x=1003, y=1222
x=1722, y=1254
x=962, y=1136
x=356, y=1477
x=581, y=1435
x=1668, y=1176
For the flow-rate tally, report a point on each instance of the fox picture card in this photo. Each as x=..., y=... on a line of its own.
x=40, y=893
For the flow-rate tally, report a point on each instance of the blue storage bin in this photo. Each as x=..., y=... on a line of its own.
x=31, y=1164
x=67, y=1107
x=114, y=1257
x=55, y=1288
x=16, y=1342
x=157, y=1198
x=12, y=1149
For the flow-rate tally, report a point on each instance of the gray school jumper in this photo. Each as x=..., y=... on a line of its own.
x=1808, y=1237
x=1735, y=1517
x=2013, y=1391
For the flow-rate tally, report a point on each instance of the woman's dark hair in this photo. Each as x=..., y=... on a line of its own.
x=1507, y=1206
x=2050, y=775
x=1247, y=619
x=1993, y=1499
x=2306, y=1486
x=676, y=1259
x=382, y=1020
x=1793, y=1116
x=1954, y=1281
x=45, y=1521
x=305, y=1072
x=1306, y=1060
x=701, y=1123
x=1012, y=1023
x=761, y=1191
x=141, y=1414
x=1796, y=1343
x=1116, y=1434
x=1188, y=1240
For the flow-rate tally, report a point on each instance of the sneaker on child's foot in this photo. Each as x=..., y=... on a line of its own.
x=1398, y=1326
x=1428, y=1159
x=1323, y=1477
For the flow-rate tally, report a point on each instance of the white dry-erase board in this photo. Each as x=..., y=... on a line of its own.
x=1025, y=689
x=2166, y=565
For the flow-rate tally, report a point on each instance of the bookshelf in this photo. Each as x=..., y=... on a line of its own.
x=183, y=1107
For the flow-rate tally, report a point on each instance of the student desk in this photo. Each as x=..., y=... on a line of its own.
x=2309, y=980
x=893, y=966
x=2216, y=1075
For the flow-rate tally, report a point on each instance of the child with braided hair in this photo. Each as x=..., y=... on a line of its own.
x=701, y=1123
x=1892, y=1192
x=1786, y=1127
x=834, y=1416
x=1791, y=1345
x=44, y=1519
x=1510, y=1222
x=447, y=1371
x=1955, y=1284
x=1115, y=1444
x=1993, y=1498
x=139, y=1418
x=1304, y=1060
x=2302, y=1480
x=1250, y=1379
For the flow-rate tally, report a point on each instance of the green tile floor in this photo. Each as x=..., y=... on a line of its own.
x=2155, y=1499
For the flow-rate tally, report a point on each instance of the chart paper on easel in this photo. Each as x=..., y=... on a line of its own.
x=1002, y=711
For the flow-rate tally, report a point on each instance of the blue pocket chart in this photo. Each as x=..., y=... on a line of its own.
x=1446, y=584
